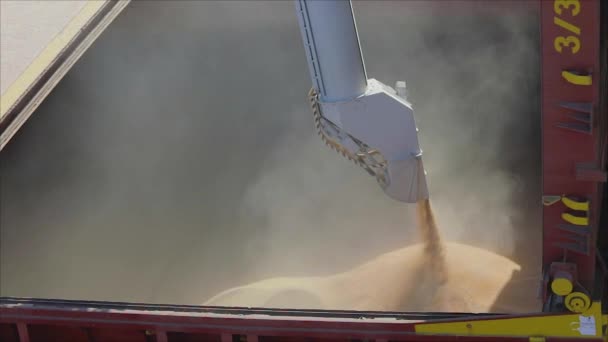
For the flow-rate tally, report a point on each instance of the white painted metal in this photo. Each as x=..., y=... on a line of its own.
x=368, y=110
x=332, y=47
x=27, y=27
x=385, y=121
x=40, y=41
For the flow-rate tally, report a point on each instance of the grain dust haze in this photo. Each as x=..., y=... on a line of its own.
x=178, y=159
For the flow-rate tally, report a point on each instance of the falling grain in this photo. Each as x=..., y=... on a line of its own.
x=433, y=246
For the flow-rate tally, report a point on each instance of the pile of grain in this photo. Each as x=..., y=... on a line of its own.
x=431, y=276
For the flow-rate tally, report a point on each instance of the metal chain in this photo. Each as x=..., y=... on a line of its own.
x=371, y=160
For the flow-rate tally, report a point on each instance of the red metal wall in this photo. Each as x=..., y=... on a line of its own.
x=47, y=320
x=571, y=140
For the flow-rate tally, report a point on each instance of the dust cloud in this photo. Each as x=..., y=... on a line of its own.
x=178, y=158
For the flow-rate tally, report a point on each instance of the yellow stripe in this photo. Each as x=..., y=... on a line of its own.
x=576, y=220
x=576, y=205
x=566, y=25
x=48, y=55
x=584, y=80
x=549, y=326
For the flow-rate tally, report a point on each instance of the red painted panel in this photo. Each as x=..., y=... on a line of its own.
x=299, y=339
x=81, y=333
x=120, y=335
x=563, y=149
x=139, y=322
x=192, y=337
x=58, y=333
x=8, y=333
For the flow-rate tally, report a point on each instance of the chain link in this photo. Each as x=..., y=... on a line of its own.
x=371, y=160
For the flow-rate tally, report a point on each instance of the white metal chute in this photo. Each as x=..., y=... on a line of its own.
x=365, y=120
x=332, y=47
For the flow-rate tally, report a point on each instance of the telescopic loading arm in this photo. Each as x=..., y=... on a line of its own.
x=367, y=121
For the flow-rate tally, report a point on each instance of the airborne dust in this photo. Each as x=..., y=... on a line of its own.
x=178, y=158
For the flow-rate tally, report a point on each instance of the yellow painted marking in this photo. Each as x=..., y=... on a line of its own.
x=577, y=79
x=573, y=5
x=571, y=42
x=576, y=220
x=575, y=205
x=537, y=339
x=561, y=286
x=566, y=25
x=46, y=57
x=556, y=325
x=577, y=302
